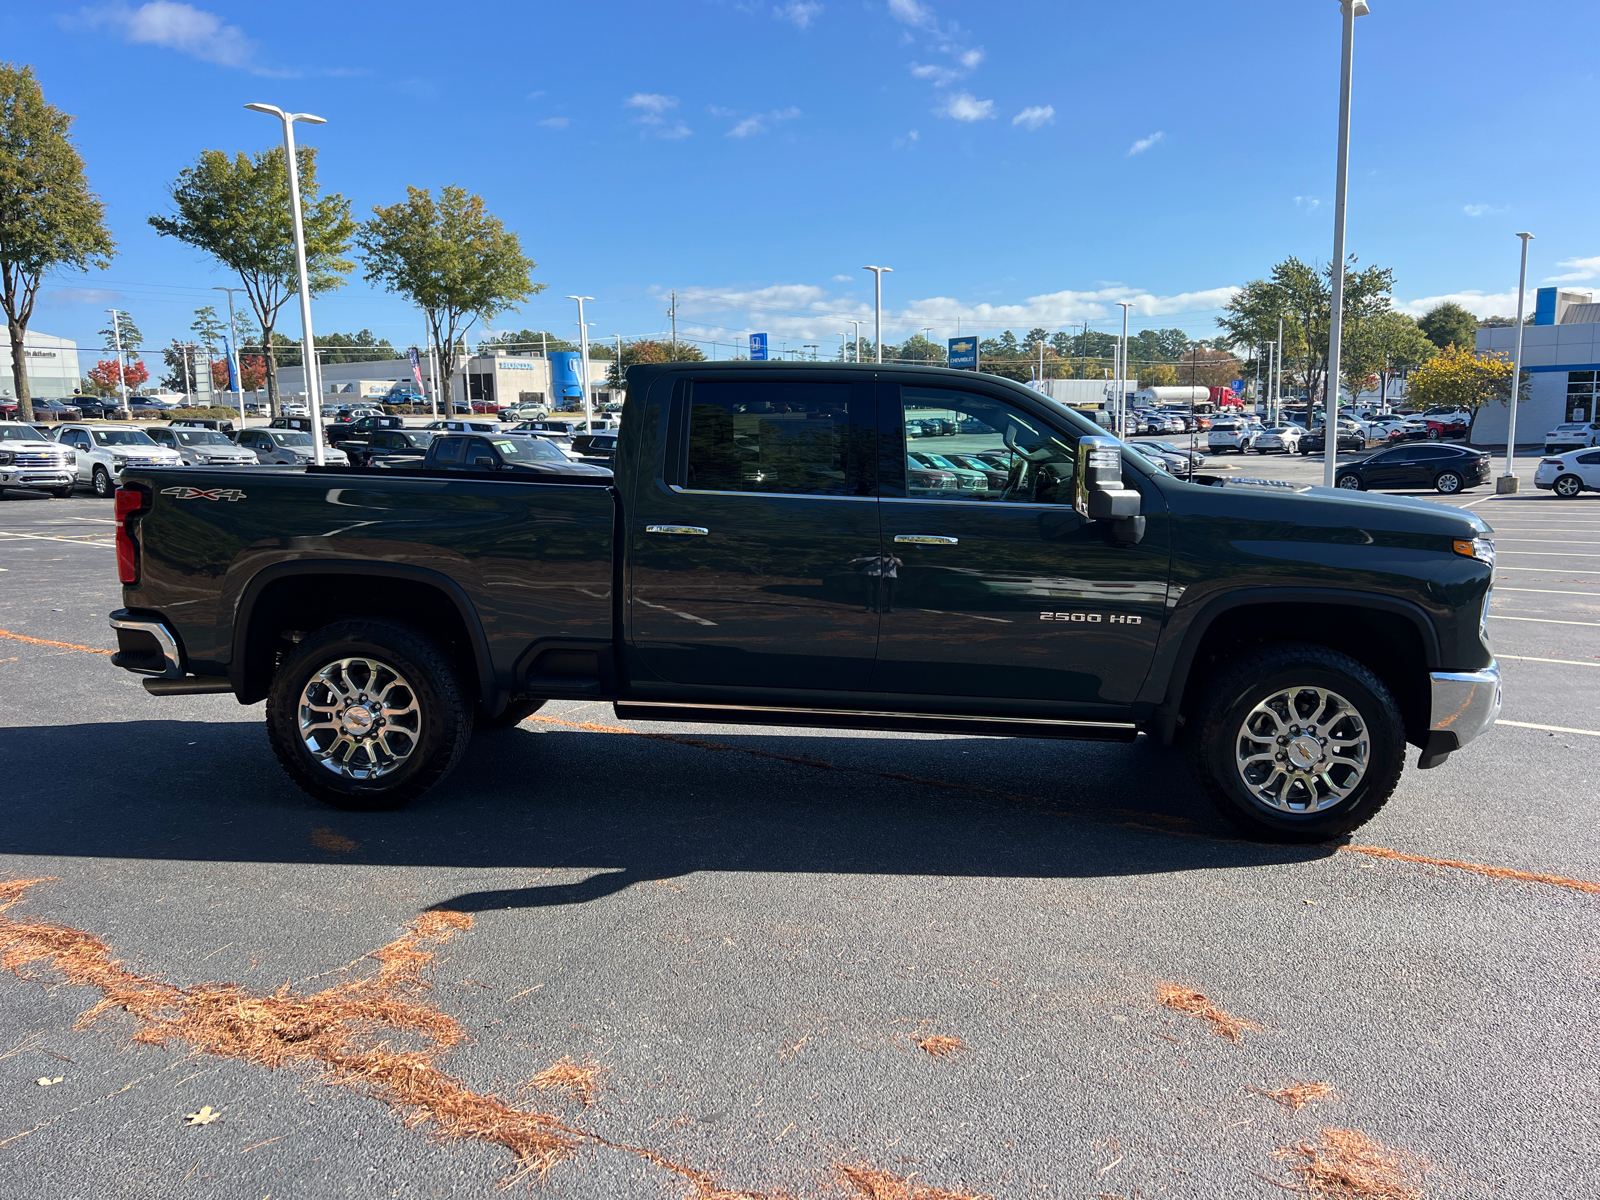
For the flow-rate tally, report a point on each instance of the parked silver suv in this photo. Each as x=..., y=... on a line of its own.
x=104, y=451
x=203, y=447
x=28, y=459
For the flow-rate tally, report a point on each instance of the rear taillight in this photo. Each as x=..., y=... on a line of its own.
x=130, y=502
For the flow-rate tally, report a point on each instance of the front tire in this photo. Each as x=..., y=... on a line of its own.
x=63, y=493
x=1297, y=743
x=1567, y=487
x=1351, y=483
x=101, y=483
x=367, y=714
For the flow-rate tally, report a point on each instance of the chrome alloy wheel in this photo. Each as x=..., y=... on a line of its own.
x=359, y=718
x=1302, y=750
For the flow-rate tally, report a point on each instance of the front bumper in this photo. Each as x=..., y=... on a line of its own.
x=34, y=477
x=1464, y=704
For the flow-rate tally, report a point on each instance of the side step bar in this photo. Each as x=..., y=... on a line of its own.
x=896, y=722
x=189, y=685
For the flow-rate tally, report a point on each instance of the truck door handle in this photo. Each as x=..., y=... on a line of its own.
x=926, y=539
x=696, y=530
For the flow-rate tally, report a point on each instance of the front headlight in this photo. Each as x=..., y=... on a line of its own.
x=72, y=458
x=1480, y=548
x=7, y=458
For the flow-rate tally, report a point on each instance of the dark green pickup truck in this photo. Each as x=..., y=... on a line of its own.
x=767, y=552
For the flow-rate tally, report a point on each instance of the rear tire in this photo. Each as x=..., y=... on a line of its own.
x=1567, y=487
x=1360, y=751
x=1350, y=482
x=363, y=756
x=1447, y=482
x=515, y=714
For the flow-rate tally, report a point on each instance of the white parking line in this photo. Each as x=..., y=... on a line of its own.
x=1550, y=554
x=76, y=541
x=1549, y=728
x=1542, y=620
x=1569, y=662
x=1546, y=541
x=1549, y=592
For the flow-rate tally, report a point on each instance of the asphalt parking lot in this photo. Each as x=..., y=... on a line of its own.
x=752, y=935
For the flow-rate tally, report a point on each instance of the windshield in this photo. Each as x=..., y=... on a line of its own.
x=528, y=450
x=201, y=437
x=19, y=433
x=291, y=439
x=122, y=437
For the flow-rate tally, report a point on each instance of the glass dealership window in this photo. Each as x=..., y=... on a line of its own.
x=1581, y=390
x=794, y=438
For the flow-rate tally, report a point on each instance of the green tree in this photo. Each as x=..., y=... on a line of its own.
x=49, y=219
x=208, y=328
x=526, y=341
x=452, y=258
x=132, y=339
x=237, y=211
x=918, y=349
x=1158, y=375
x=1391, y=344
x=364, y=346
x=1449, y=324
x=644, y=350
x=1458, y=378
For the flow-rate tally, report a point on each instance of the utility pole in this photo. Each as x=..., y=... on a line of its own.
x=1349, y=10
x=233, y=342
x=856, y=345
x=1122, y=374
x=844, y=355
x=122, y=370
x=1277, y=380
x=619, y=361
x=673, y=313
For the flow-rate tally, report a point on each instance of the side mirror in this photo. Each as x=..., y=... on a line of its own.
x=484, y=463
x=1099, y=494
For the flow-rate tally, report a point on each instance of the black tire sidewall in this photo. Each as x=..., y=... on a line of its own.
x=1560, y=479
x=1438, y=483
x=1359, y=487
x=442, y=734
x=1263, y=673
x=94, y=482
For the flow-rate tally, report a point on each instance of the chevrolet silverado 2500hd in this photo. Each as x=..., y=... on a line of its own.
x=763, y=553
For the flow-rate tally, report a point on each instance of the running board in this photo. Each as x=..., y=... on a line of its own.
x=895, y=722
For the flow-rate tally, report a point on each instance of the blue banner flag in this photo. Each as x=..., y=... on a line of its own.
x=758, y=347
x=964, y=353
x=566, y=374
x=233, y=377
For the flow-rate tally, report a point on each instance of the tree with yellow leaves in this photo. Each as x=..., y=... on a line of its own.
x=1457, y=378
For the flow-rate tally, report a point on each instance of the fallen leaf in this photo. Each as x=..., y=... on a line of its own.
x=205, y=1116
x=46, y=1081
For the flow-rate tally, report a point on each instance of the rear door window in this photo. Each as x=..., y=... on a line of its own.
x=448, y=450
x=777, y=437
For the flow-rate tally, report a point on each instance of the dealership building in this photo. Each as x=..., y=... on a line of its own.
x=52, y=367
x=499, y=377
x=1560, y=353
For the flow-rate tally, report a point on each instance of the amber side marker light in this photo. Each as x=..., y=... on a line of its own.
x=1481, y=548
x=131, y=501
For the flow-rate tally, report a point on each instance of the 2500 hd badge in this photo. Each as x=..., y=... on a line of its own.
x=1091, y=618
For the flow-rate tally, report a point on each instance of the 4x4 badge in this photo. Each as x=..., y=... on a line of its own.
x=194, y=493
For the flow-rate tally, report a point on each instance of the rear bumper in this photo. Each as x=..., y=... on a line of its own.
x=146, y=646
x=1464, y=704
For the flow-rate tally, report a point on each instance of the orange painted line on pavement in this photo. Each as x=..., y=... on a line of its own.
x=1577, y=885
x=17, y=637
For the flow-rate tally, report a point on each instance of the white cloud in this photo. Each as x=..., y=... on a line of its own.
x=964, y=106
x=803, y=311
x=1483, y=210
x=1479, y=304
x=800, y=12
x=653, y=109
x=937, y=75
x=556, y=122
x=1582, y=268
x=910, y=12
x=180, y=27
x=762, y=122
x=533, y=95
x=1032, y=118
x=970, y=58
x=1145, y=143
x=844, y=278
x=1309, y=203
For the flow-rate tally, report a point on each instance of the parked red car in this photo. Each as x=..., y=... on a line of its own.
x=1455, y=425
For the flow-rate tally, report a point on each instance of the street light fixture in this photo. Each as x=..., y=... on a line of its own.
x=1508, y=482
x=855, y=347
x=877, y=279
x=308, y=342
x=583, y=366
x=1351, y=9
x=122, y=367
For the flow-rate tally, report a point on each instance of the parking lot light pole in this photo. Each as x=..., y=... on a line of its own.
x=877, y=305
x=1350, y=10
x=122, y=377
x=1508, y=482
x=233, y=346
x=307, y=341
x=855, y=346
x=1122, y=375
x=583, y=347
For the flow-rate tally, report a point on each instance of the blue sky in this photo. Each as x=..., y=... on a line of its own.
x=1017, y=164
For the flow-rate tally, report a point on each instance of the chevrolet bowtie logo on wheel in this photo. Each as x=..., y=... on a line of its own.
x=194, y=493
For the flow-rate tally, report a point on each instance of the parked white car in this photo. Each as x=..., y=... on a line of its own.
x=287, y=448
x=1569, y=474
x=28, y=459
x=292, y=409
x=1230, y=435
x=1574, y=434
x=105, y=451
x=1281, y=437
x=202, y=447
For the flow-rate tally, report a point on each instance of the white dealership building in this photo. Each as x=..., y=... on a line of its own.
x=1560, y=353
x=500, y=377
x=52, y=366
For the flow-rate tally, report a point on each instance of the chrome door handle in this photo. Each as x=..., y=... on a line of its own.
x=696, y=530
x=925, y=539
